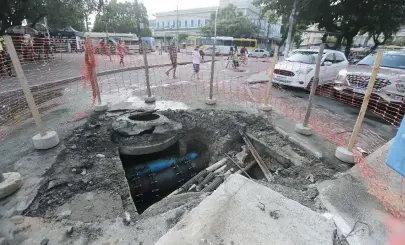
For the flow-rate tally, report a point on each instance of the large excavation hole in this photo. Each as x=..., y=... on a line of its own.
x=151, y=177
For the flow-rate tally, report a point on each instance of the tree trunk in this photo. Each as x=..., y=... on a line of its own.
x=338, y=43
x=349, y=42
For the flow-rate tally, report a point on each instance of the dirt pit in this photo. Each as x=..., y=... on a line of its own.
x=91, y=163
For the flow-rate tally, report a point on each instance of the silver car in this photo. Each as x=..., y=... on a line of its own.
x=389, y=87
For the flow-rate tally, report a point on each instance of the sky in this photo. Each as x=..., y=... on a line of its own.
x=154, y=6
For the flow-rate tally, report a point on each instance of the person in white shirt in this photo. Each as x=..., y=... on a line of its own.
x=196, y=61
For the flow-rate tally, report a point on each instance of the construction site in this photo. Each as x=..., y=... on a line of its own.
x=110, y=154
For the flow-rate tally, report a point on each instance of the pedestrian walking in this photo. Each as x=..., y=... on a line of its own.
x=121, y=51
x=201, y=53
x=235, y=58
x=173, y=59
x=160, y=49
x=196, y=56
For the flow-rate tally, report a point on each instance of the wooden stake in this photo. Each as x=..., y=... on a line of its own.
x=273, y=65
x=366, y=100
x=314, y=85
x=24, y=84
x=257, y=157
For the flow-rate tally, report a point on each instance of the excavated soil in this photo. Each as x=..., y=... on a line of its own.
x=90, y=162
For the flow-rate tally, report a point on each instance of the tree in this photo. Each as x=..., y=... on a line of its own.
x=230, y=22
x=183, y=37
x=348, y=17
x=60, y=13
x=121, y=17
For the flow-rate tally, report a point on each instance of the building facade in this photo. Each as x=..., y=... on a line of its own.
x=190, y=20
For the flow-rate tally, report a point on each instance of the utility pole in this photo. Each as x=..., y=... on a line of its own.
x=177, y=25
x=290, y=28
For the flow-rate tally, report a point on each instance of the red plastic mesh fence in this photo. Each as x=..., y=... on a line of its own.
x=121, y=78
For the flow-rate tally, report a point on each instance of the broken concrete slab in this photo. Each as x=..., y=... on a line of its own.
x=240, y=212
x=260, y=77
x=350, y=201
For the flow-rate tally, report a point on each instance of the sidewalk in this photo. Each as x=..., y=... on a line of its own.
x=357, y=213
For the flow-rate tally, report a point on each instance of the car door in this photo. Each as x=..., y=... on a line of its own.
x=326, y=71
x=261, y=53
x=340, y=63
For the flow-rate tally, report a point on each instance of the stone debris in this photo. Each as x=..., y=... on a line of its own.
x=100, y=155
x=74, y=170
x=64, y=214
x=44, y=241
x=84, y=172
x=17, y=219
x=127, y=218
x=69, y=230
x=310, y=177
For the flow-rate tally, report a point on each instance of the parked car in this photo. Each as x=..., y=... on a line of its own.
x=298, y=69
x=260, y=53
x=390, y=82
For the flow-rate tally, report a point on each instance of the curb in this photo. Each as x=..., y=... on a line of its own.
x=300, y=143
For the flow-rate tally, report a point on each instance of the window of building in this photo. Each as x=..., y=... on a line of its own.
x=198, y=23
x=174, y=24
x=163, y=25
x=179, y=23
x=157, y=25
x=192, y=23
x=168, y=24
x=185, y=23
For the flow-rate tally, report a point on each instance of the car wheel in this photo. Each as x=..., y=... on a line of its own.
x=249, y=55
x=265, y=56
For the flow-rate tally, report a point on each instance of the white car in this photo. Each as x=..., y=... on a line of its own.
x=298, y=69
x=261, y=53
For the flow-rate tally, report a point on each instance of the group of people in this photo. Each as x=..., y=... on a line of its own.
x=197, y=57
x=233, y=52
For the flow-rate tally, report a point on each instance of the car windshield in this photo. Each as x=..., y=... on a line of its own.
x=389, y=60
x=303, y=57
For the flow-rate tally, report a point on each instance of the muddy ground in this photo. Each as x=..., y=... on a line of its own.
x=90, y=167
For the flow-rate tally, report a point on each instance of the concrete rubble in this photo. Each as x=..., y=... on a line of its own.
x=77, y=193
x=231, y=215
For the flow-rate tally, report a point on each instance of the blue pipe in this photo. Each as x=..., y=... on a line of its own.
x=160, y=164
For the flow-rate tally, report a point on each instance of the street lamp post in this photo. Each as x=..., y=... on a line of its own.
x=211, y=100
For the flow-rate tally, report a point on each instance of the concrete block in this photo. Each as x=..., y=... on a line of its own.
x=344, y=155
x=101, y=107
x=48, y=141
x=209, y=101
x=265, y=107
x=149, y=100
x=242, y=212
x=301, y=129
x=12, y=182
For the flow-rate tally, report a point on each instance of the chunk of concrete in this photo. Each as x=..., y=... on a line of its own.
x=47, y=141
x=11, y=183
x=241, y=212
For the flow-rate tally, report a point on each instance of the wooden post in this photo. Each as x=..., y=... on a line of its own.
x=24, y=85
x=366, y=100
x=273, y=65
x=314, y=84
x=92, y=60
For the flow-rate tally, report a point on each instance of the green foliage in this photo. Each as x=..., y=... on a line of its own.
x=183, y=37
x=348, y=17
x=122, y=17
x=230, y=22
x=60, y=13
